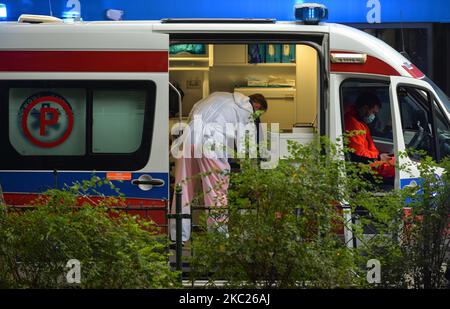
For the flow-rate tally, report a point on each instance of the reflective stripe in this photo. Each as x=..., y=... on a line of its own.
x=84, y=61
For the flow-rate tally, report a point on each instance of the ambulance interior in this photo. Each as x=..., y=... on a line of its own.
x=286, y=74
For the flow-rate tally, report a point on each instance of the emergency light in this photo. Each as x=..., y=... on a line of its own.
x=71, y=16
x=348, y=58
x=3, y=12
x=310, y=13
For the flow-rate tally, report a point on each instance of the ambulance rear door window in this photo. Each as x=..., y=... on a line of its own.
x=76, y=125
x=118, y=120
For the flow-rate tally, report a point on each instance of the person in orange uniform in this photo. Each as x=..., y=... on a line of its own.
x=357, y=118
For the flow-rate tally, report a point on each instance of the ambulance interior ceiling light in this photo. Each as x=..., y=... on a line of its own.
x=310, y=13
x=3, y=12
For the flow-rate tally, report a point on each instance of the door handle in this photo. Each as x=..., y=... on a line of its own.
x=153, y=182
x=146, y=182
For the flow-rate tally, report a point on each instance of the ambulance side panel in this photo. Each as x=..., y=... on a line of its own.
x=83, y=100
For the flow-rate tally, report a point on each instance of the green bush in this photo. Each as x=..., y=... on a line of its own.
x=413, y=246
x=115, y=250
x=284, y=226
x=283, y=223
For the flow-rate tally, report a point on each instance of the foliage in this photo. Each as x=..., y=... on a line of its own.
x=413, y=244
x=284, y=226
x=116, y=250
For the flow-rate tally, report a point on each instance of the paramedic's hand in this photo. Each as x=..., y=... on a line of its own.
x=385, y=157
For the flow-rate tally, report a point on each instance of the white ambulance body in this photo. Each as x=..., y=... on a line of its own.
x=93, y=97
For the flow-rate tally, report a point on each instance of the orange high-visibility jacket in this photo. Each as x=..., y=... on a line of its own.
x=362, y=143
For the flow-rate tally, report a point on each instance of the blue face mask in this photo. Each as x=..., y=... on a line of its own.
x=369, y=119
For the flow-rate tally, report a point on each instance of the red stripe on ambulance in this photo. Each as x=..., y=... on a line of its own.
x=153, y=209
x=84, y=61
x=413, y=70
x=373, y=65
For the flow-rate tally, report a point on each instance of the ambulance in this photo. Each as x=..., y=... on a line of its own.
x=93, y=98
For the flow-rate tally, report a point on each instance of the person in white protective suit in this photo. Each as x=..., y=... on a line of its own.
x=215, y=124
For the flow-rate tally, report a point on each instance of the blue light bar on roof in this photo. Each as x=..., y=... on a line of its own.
x=71, y=16
x=310, y=13
x=3, y=12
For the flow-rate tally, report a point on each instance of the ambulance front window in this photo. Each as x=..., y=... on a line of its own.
x=47, y=121
x=118, y=120
x=381, y=126
x=442, y=131
x=366, y=107
x=416, y=122
x=443, y=97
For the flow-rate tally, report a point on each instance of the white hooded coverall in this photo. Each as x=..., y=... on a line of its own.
x=214, y=122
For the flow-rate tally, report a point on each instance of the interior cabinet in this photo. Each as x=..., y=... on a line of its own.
x=186, y=61
x=238, y=55
x=191, y=72
x=281, y=103
x=230, y=54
